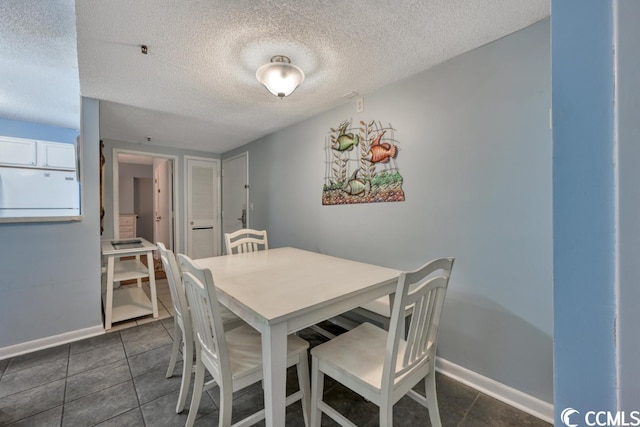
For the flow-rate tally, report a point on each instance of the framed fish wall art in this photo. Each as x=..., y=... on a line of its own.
x=361, y=164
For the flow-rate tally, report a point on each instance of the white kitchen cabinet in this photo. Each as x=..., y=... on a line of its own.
x=20, y=152
x=17, y=151
x=56, y=155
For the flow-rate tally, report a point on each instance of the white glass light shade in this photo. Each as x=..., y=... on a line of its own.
x=279, y=76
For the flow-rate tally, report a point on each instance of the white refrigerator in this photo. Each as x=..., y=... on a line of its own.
x=31, y=192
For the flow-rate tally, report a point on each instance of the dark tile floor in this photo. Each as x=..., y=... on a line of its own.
x=118, y=379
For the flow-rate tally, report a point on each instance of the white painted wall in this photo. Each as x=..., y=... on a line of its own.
x=476, y=160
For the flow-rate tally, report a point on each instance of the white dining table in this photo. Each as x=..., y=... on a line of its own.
x=281, y=291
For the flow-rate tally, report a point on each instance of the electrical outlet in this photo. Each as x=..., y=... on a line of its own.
x=360, y=105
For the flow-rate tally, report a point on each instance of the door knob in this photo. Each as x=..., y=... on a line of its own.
x=243, y=218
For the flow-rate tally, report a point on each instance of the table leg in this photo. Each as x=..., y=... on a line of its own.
x=274, y=359
x=139, y=279
x=108, y=304
x=152, y=284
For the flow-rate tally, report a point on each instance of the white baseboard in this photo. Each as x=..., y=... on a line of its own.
x=529, y=404
x=48, y=342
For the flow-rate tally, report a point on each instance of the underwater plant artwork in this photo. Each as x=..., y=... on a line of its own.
x=361, y=164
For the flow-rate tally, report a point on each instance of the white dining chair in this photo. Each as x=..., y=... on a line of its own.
x=245, y=240
x=381, y=365
x=378, y=310
x=234, y=358
x=182, y=326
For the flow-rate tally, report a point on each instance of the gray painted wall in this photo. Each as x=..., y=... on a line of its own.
x=50, y=272
x=475, y=154
x=127, y=174
x=584, y=206
x=628, y=66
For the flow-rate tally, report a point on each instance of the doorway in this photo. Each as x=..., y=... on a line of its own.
x=144, y=185
x=143, y=208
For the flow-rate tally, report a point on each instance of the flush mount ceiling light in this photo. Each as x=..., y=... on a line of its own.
x=279, y=76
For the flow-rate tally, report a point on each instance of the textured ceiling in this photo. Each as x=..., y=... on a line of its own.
x=196, y=87
x=38, y=62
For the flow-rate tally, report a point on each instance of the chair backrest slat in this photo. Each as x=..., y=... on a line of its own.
x=423, y=292
x=245, y=240
x=205, y=313
x=424, y=311
x=434, y=317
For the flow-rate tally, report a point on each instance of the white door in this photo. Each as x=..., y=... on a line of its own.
x=202, y=207
x=235, y=193
x=163, y=201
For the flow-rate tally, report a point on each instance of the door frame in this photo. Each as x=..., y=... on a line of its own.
x=156, y=191
x=246, y=155
x=116, y=190
x=218, y=221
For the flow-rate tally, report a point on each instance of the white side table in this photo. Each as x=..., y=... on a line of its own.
x=127, y=302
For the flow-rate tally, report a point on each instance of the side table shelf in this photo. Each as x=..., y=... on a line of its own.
x=129, y=269
x=128, y=303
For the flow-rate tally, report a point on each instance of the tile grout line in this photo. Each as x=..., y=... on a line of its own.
x=132, y=376
x=97, y=391
x=469, y=409
x=5, y=368
x=133, y=384
x=40, y=385
x=139, y=407
x=66, y=379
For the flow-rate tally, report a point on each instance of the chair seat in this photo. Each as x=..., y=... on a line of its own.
x=382, y=307
x=379, y=306
x=358, y=356
x=244, y=345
